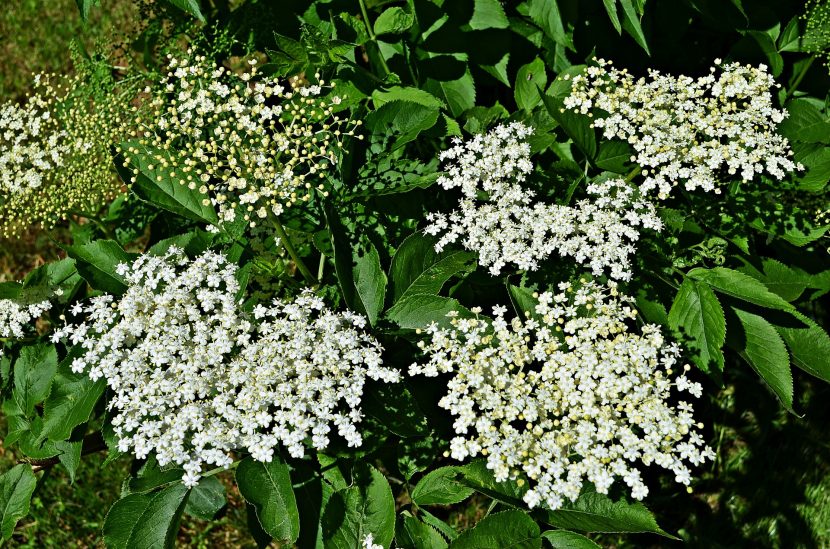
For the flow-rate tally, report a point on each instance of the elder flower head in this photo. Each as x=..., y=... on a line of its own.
x=500, y=220
x=568, y=396
x=193, y=378
x=250, y=144
x=701, y=132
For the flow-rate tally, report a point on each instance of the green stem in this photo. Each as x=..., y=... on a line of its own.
x=286, y=243
x=321, y=267
x=632, y=174
x=372, y=37
x=801, y=74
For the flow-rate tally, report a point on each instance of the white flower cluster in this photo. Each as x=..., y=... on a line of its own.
x=251, y=144
x=700, y=132
x=498, y=218
x=568, y=396
x=193, y=378
x=30, y=145
x=369, y=543
x=14, y=316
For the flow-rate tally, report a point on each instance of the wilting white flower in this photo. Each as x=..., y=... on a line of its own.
x=568, y=396
x=702, y=132
x=501, y=221
x=194, y=377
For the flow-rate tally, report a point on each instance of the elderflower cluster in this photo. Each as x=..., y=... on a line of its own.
x=568, y=396
x=249, y=144
x=193, y=376
x=54, y=153
x=14, y=316
x=499, y=219
x=702, y=132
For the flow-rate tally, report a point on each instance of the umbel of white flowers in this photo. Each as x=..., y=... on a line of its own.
x=250, y=144
x=501, y=221
x=702, y=132
x=568, y=396
x=14, y=316
x=194, y=377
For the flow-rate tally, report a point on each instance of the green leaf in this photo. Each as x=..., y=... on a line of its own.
x=419, y=310
x=267, y=486
x=192, y=243
x=805, y=123
x=764, y=350
x=741, y=286
x=441, y=487
x=613, y=156
x=488, y=14
x=97, y=262
x=505, y=530
x=16, y=488
x=476, y=475
x=342, y=258
x=146, y=521
x=154, y=184
x=85, y=5
x=816, y=161
x=71, y=400
x=413, y=95
x=370, y=283
x=697, y=314
x=631, y=24
x=34, y=371
x=189, y=6
x=790, y=40
x=781, y=279
x=611, y=8
x=524, y=301
x=563, y=539
x=411, y=533
x=593, y=512
x=393, y=21
x=418, y=269
x=290, y=58
x=406, y=118
x=460, y=94
x=365, y=508
x=529, y=80
x=206, y=499
x=545, y=13
x=576, y=126
x=809, y=346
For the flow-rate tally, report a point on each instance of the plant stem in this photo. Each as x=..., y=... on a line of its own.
x=321, y=267
x=374, y=40
x=801, y=74
x=632, y=174
x=286, y=243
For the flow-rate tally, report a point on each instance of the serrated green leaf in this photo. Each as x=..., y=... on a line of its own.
x=631, y=24
x=697, y=314
x=34, y=371
x=477, y=476
x=488, y=14
x=420, y=310
x=370, y=283
x=614, y=156
x=189, y=6
x=505, y=530
x=741, y=286
x=16, y=488
x=529, y=80
x=71, y=400
x=576, y=126
x=393, y=21
x=545, y=13
x=413, y=95
x=441, y=487
x=146, y=521
x=411, y=533
x=267, y=486
x=809, y=346
x=593, y=512
x=206, y=499
x=459, y=94
x=765, y=351
x=97, y=261
x=365, y=508
x=611, y=8
x=418, y=269
x=563, y=539
x=805, y=123
x=155, y=185
x=405, y=117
